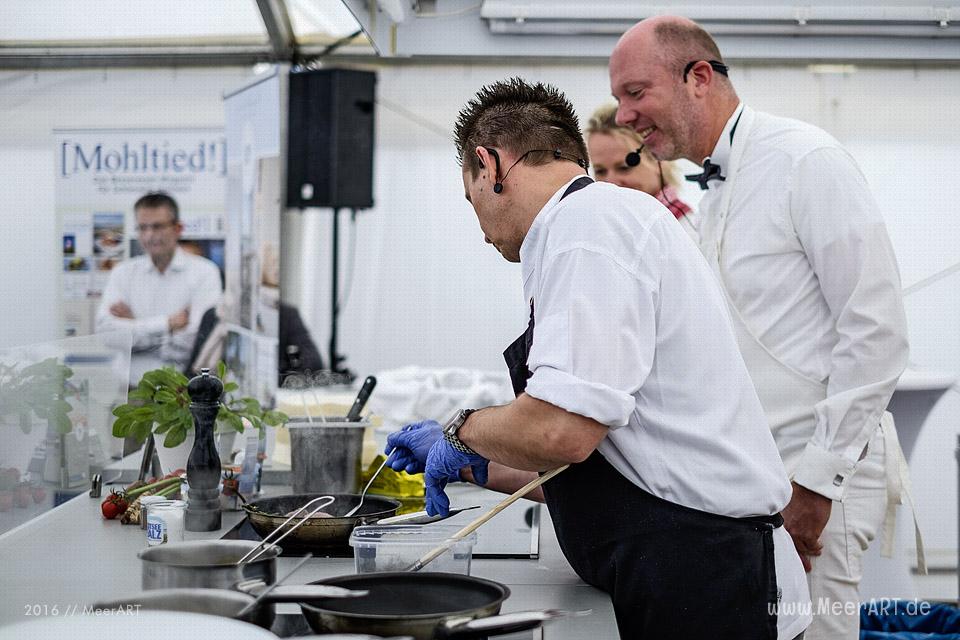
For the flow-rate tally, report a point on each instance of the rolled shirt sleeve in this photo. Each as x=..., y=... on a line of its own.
x=595, y=334
x=846, y=242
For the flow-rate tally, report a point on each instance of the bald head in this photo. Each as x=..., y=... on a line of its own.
x=672, y=40
x=668, y=77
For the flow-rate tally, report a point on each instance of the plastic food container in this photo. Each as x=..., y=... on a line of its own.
x=396, y=547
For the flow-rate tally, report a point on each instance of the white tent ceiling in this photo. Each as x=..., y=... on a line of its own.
x=48, y=33
x=54, y=33
x=881, y=31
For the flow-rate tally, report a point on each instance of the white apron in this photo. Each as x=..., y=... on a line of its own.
x=787, y=395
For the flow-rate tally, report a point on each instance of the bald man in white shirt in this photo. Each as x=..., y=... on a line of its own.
x=798, y=243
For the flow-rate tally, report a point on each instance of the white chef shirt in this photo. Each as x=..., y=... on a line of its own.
x=188, y=282
x=807, y=261
x=632, y=330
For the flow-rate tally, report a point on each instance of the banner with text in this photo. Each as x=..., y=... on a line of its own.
x=100, y=173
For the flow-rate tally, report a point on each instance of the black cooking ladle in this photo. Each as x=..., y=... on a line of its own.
x=354, y=414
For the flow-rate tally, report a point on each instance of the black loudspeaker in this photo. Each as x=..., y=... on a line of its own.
x=330, y=139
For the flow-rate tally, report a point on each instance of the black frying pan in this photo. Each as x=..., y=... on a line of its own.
x=425, y=606
x=266, y=514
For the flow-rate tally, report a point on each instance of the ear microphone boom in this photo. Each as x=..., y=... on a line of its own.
x=498, y=187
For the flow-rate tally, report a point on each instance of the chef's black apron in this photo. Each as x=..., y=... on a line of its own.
x=671, y=571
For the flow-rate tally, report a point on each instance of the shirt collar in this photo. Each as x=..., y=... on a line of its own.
x=177, y=263
x=530, y=249
x=721, y=151
x=530, y=240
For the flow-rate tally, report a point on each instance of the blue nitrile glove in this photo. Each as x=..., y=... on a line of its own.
x=413, y=443
x=443, y=463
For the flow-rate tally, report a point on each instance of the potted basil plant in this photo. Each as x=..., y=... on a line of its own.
x=161, y=405
x=36, y=391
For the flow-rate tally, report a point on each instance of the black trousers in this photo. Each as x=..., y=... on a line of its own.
x=671, y=572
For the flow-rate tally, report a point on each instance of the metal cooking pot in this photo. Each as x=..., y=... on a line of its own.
x=205, y=564
x=425, y=606
x=266, y=514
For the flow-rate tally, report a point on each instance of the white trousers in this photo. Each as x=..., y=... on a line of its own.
x=854, y=523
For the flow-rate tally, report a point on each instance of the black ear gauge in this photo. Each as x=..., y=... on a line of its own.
x=633, y=158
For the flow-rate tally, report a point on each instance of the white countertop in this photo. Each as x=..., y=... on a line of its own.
x=71, y=556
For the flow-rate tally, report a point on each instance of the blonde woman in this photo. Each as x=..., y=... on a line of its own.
x=614, y=152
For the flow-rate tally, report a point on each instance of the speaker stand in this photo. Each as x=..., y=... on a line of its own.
x=335, y=358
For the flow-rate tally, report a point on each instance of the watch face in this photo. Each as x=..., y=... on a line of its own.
x=455, y=422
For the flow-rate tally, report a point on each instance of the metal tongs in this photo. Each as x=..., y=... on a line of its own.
x=268, y=542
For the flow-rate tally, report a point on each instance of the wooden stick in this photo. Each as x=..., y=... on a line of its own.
x=432, y=555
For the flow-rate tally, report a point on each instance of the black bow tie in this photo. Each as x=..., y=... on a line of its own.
x=710, y=172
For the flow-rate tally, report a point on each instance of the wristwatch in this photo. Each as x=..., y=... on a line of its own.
x=452, y=426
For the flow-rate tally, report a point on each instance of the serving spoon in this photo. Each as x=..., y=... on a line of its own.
x=372, y=478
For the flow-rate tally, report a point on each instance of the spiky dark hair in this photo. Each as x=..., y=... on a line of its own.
x=518, y=116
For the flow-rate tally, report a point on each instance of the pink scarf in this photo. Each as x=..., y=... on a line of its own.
x=671, y=201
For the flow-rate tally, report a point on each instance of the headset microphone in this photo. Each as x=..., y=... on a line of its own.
x=633, y=159
x=498, y=186
x=557, y=154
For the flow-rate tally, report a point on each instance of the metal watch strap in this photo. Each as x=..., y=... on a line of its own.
x=458, y=444
x=450, y=431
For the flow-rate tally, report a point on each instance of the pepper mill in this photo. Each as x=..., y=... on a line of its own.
x=203, y=465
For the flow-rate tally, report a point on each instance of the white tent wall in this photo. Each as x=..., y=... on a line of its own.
x=426, y=289
x=31, y=106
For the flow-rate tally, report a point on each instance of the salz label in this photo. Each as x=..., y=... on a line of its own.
x=155, y=532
